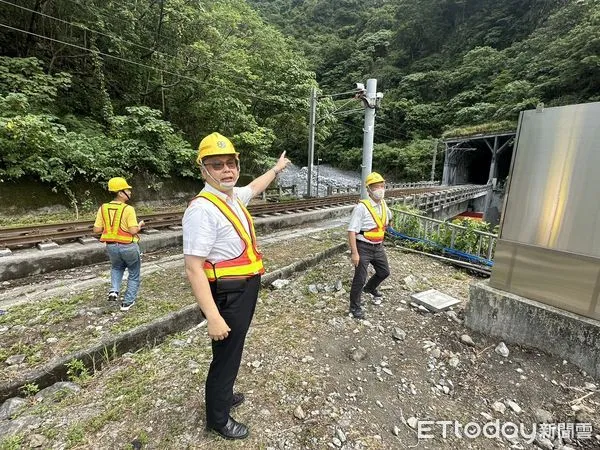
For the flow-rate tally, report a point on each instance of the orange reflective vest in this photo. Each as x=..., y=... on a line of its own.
x=112, y=213
x=375, y=235
x=249, y=263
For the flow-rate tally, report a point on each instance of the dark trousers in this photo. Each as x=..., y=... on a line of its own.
x=369, y=254
x=236, y=301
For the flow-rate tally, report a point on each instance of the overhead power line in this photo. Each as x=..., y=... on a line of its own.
x=339, y=94
x=85, y=28
x=119, y=58
x=378, y=133
x=120, y=39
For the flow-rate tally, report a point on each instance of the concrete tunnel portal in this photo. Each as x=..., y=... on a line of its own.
x=480, y=159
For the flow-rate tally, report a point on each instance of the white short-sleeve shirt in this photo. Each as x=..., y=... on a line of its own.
x=362, y=220
x=207, y=233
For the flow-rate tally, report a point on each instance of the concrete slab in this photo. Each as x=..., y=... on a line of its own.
x=150, y=231
x=87, y=240
x=175, y=227
x=47, y=245
x=519, y=320
x=5, y=251
x=434, y=300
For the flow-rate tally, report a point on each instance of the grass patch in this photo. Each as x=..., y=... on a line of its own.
x=48, y=312
x=12, y=442
x=75, y=435
x=97, y=423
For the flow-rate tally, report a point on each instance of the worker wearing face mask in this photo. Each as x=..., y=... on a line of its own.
x=224, y=266
x=365, y=237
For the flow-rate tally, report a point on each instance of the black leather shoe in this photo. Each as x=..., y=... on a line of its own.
x=238, y=399
x=232, y=430
x=376, y=293
x=357, y=313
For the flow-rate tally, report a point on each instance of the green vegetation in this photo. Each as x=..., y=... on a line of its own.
x=29, y=389
x=77, y=371
x=466, y=240
x=12, y=443
x=130, y=88
x=445, y=66
x=177, y=71
x=75, y=435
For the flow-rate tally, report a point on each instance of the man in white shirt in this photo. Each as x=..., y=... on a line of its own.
x=224, y=266
x=366, y=232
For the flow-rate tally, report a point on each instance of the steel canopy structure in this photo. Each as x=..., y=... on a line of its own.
x=463, y=151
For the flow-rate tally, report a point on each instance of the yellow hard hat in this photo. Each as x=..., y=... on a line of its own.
x=117, y=184
x=373, y=178
x=215, y=144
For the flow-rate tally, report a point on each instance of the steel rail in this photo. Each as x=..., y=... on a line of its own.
x=16, y=237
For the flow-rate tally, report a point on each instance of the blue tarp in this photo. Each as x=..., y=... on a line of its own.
x=448, y=251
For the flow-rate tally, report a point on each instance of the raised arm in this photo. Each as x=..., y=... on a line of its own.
x=261, y=183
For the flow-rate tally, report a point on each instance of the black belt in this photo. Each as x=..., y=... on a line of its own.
x=226, y=284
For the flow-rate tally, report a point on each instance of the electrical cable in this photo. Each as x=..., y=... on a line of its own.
x=280, y=102
x=116, y=37
x=84, y=28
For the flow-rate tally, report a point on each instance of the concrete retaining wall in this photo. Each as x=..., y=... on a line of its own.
x=521, y=321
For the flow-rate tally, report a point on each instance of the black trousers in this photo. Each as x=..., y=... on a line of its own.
x=369, y=254
x=236, y=301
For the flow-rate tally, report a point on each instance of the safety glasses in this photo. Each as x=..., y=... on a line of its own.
x=220, y=165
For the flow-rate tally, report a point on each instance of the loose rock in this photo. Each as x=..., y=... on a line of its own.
x=358, y=354
x=299, y=413
x=502, y=350
x=466, y=339
x=399, y=334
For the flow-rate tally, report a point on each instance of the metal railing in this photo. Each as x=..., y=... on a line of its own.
x=434, y=201
x=279, y=192
x=446, y=237
x=332, y=190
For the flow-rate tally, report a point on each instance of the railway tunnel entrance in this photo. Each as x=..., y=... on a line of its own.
x=480, y=159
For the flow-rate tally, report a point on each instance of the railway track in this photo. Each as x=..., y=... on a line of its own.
x=20, y=237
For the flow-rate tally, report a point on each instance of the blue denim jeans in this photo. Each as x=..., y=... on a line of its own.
x=125, y=256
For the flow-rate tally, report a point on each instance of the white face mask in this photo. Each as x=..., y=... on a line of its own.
x=227, y=184
x=378, y=194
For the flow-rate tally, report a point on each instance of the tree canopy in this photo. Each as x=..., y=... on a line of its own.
x=444, y=64
x=90, y=90
x=103, y=88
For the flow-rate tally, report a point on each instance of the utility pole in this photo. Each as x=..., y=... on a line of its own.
x=371, y=99
x=435, y=148
x=311, y=138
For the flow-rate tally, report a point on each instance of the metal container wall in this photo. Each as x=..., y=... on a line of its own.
x=549, y=247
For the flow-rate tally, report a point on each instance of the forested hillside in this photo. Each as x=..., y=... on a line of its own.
x=92, y=89
x=443, y=64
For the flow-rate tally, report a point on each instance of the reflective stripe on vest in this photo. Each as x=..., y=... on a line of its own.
x=250, y=261
x=376, y=234
x=112, y=213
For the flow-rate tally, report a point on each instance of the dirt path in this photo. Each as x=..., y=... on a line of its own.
x=308, y=387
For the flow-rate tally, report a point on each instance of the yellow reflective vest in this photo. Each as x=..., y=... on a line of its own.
x=247, y=264
x=112, y=213
x=376, y=235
